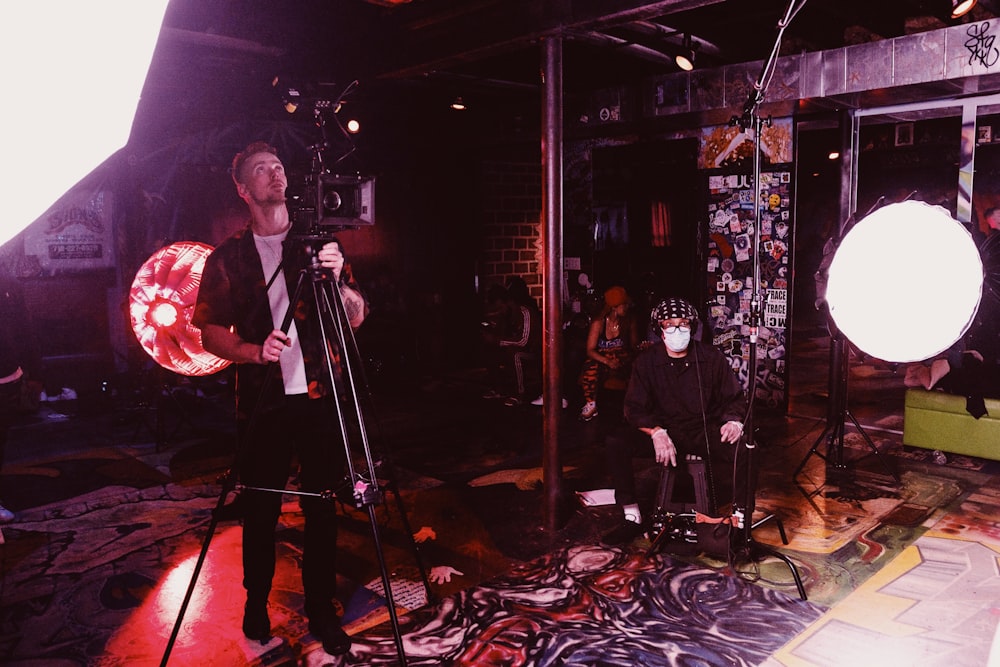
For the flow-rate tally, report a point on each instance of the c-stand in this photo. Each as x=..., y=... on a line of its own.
x=751, y=121
x=361, y=487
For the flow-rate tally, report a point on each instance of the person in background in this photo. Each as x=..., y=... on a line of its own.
x=612, y=339
x=293, y=411
x=523, y=344
x=11, y=373
x=494, y=324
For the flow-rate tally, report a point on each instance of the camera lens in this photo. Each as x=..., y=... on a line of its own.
x=332, y=201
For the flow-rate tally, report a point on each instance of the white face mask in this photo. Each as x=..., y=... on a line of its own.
x=677, y=341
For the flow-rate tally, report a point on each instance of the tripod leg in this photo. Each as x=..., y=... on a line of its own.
x=813, y=450
x=400, y=507
x=212, y=525
x=387, y=585
x=871, y=446
x=759, y=549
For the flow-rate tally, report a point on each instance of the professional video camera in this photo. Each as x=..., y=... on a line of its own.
x=327, y=203
x=321, y=202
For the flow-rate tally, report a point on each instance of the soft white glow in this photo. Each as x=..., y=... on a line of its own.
x=163, y=314
x=905, y=282
x=685, y=61
x=353, y=126
x=961, y=7
x=73, y=74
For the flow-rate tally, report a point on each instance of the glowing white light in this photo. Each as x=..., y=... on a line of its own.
x=73, y=75
x=905, y=282
x=163, y=314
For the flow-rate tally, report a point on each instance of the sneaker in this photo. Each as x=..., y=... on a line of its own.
x=541, y=401
x=6, y=516
x=589, y=411
x=256, y=624
x=624, y=533
x=512, y=401
x=326, y=626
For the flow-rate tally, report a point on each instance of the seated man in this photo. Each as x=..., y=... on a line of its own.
x=684, y=395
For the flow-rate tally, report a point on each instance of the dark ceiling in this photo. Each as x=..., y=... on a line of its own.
x=224, y=61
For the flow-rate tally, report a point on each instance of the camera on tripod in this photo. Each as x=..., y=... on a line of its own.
x=329, y=203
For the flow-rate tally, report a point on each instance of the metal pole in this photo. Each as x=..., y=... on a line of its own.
x=552, y=206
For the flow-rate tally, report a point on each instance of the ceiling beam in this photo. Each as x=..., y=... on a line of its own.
x=430, y=42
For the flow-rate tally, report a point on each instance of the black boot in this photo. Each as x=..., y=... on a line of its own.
x=324, y=623
x=256, y=624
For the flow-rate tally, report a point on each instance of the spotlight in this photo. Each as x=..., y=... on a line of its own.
x=353, y=126
x=833, y=155
x=163, y=314
x=961, y=7
x=161, y=303
x=685, y=59
x=458, y=104
x=905, y=283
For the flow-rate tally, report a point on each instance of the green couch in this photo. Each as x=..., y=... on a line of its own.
x=936, y=420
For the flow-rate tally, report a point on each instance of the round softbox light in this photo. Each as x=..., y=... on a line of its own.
x=905, y=283
x=161, y=302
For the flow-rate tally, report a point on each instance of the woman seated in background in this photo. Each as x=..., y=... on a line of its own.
x=611, y=342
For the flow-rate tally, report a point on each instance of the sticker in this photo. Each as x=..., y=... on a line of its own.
x=728, y=265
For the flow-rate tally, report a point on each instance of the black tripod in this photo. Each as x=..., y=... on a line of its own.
x=361, y=488
x=838, y=412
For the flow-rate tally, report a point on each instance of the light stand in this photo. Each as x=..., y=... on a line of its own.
x=751, y=121
x=837, y=405
x=837, y=412
x=361, y=488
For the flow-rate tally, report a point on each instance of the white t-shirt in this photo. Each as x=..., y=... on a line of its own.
x=293, y=367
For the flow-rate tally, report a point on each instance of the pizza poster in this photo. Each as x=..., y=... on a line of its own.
x=732, y=237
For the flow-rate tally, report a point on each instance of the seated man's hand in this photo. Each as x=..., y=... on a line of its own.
x=731, y=432
x=666, y=452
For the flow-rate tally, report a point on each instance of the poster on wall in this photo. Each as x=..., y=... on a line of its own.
x=730, y=274
x=73, y=235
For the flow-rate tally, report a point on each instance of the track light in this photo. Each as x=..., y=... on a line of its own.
x=685, y=58
x=961, y=7
x=458, y=104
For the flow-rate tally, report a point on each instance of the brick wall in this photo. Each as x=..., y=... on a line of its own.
x=512, y=214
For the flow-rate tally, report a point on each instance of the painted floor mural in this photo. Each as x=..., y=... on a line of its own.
x=110, y=524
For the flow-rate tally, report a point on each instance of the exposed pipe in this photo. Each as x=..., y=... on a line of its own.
x=552, y=207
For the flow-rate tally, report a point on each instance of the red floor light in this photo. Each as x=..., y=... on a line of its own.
x=161, y=303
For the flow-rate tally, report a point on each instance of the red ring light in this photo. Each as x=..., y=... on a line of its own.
x=166, y=288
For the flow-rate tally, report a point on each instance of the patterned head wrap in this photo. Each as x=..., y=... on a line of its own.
x=671, y=308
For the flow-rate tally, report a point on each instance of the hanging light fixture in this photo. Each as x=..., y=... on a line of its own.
x=961, y=7
x=685, y=58
x=458, y=104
